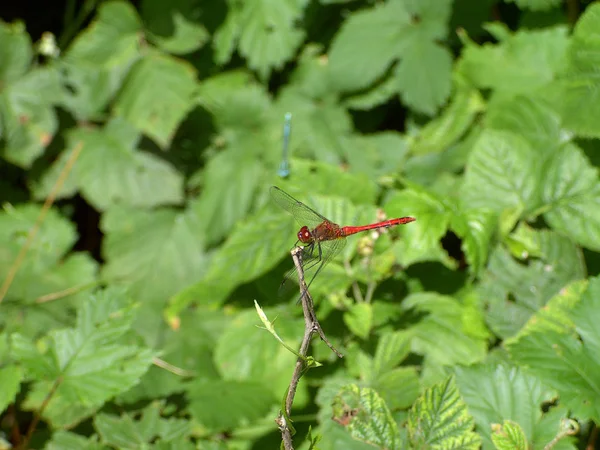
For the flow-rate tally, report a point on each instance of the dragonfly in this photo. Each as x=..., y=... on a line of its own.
x=321, y=238
x=284, y=167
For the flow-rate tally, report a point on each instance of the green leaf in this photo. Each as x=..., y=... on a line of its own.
x=531, y=119
x=66, y=440
x=111, y=39
x=445, y=322
x=155, y=252
x=391, y=350
x=158, y=116
x=395, y=27
x=130, y=431
x=571, y=193
x=536, y=5
x=514, y=291
x=509, y=436
x=86, y=365
x=498, y=393
x=502, y=174
x=253, y=248
x=359, y=319
x=227, y=203
x=28, y=118
x=376, y=155
x=10, y=380
x=567, y=359
x=366, y=416
x=175, y=26
x=244, y=351
x=520, y=63
x=424, y=77
x=475, y=227
x=439, y=418
x=421, y=238
x=574, y=94
x=16, y=52
x=398, y=387
x=266, y=30
x=441, y=132
x=46, y=267
x=111, y=172
x=226, y=404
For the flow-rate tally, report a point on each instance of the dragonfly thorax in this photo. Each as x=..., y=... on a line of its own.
x=304, y=235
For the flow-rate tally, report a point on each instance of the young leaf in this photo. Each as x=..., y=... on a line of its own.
x=86, y=365
x=110, y=171
x=391, y=350
x=225, y=404
x=571, y=193
x=366, y=417
x=509, y=436
x=567, y=359
x=496, y=393
x=502, y=173
x=530, y=286
x=129, y=431
x=157, y=115
x=10, y=380
x=440, y=416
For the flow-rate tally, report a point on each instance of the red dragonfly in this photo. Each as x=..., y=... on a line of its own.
x=322, y=239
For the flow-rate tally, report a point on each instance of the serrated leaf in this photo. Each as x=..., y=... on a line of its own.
x=359, y=319
x=111, y=172
x=443, y=323
x=571, y=193
x=391, y=350
x=509, y=436
x=395, y=26
x=86, y=365
x=16, y=51
x=440, y=133
x=266, y=31
x=10, y=380
x=130, y=431
x=226, y=404
x=155, y=252
x=175, y=26
x=421, y=238
x=475, y=227
x=502, y=174
x=567, y=360
x=252, y=249
x=424, y=77
x=66, y=440
x=519, y=63
x=531, y=285
x=529, y=118
x=227, y=203
x=46, y=267
x=158, y=116
x=111, y=39
x=498, y=393
x=366, y=416
x=399, y=387
x=244, y=351
x=439, y=419
x=376, y=155
x=28, y=117
x=575, y=93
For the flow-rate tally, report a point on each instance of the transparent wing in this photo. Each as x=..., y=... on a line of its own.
x=313, y=262
x=303, y=214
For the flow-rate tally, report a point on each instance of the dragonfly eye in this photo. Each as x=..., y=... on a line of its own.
x=304, y=235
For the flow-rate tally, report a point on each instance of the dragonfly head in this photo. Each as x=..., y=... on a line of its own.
x=304, y=235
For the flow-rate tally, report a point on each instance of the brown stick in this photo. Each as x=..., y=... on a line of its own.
x=311, y=327
x=40, y=219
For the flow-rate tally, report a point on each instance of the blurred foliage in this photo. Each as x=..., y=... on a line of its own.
x=127, y=317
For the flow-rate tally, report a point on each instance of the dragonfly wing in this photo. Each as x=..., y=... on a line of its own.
x=303, y=214
x=329, y=250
